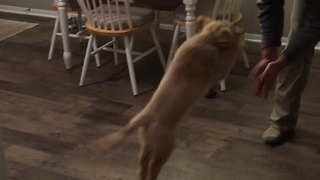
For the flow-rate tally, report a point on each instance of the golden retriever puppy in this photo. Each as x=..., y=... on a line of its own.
x=202, y=60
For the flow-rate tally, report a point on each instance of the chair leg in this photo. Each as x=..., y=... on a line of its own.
x=246, y=64
x=116, y=55
x=86, y=60
x=79, y=24
x=223, y=85
x=156, y=19
x=132, y=39
x=174, y=43
x=53, y=39
x=223, y=81
x=79, y=21
x=245, y=58
x=159, y=49
x=130, y=66
x=97, y=57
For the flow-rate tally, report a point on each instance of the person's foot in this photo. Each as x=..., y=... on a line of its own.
x=275, y=135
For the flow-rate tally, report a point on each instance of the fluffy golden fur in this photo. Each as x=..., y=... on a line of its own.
x=204, y=59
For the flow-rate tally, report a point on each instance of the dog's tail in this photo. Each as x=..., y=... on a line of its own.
x=111, y=141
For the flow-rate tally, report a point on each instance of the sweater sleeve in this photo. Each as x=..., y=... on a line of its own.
x=308, y=35
x=271, y=17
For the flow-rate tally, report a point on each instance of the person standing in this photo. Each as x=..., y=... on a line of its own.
x=289, y=69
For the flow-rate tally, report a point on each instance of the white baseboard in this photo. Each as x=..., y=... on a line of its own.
x=166, y=26
x=256, y=38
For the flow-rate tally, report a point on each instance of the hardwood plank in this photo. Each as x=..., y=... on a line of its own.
x=45, y=144
x=18, y=171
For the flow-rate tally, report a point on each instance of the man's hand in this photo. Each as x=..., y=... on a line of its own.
x=259, y=68
x=264, y=75
x=268, y=55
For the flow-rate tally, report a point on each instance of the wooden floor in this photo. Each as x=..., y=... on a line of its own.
x=46, y=119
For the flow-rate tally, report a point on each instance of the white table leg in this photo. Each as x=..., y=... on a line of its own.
x=191, y=26
x=65, y=33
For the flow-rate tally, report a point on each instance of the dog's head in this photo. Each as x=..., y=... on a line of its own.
x=222, y=33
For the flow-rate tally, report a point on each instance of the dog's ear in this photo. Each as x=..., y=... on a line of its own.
x=202, y=21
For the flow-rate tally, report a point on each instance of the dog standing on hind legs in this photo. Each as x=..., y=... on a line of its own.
x=204, y=59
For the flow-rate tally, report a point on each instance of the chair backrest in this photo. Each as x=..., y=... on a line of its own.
x=115, y=15
x=107, y=14
x=227, y=10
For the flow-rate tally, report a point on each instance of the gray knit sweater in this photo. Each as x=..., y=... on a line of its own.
x=271, y=17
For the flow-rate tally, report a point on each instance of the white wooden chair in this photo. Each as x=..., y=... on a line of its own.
x=71, y=7
x=118, y=18
x=222, y=10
